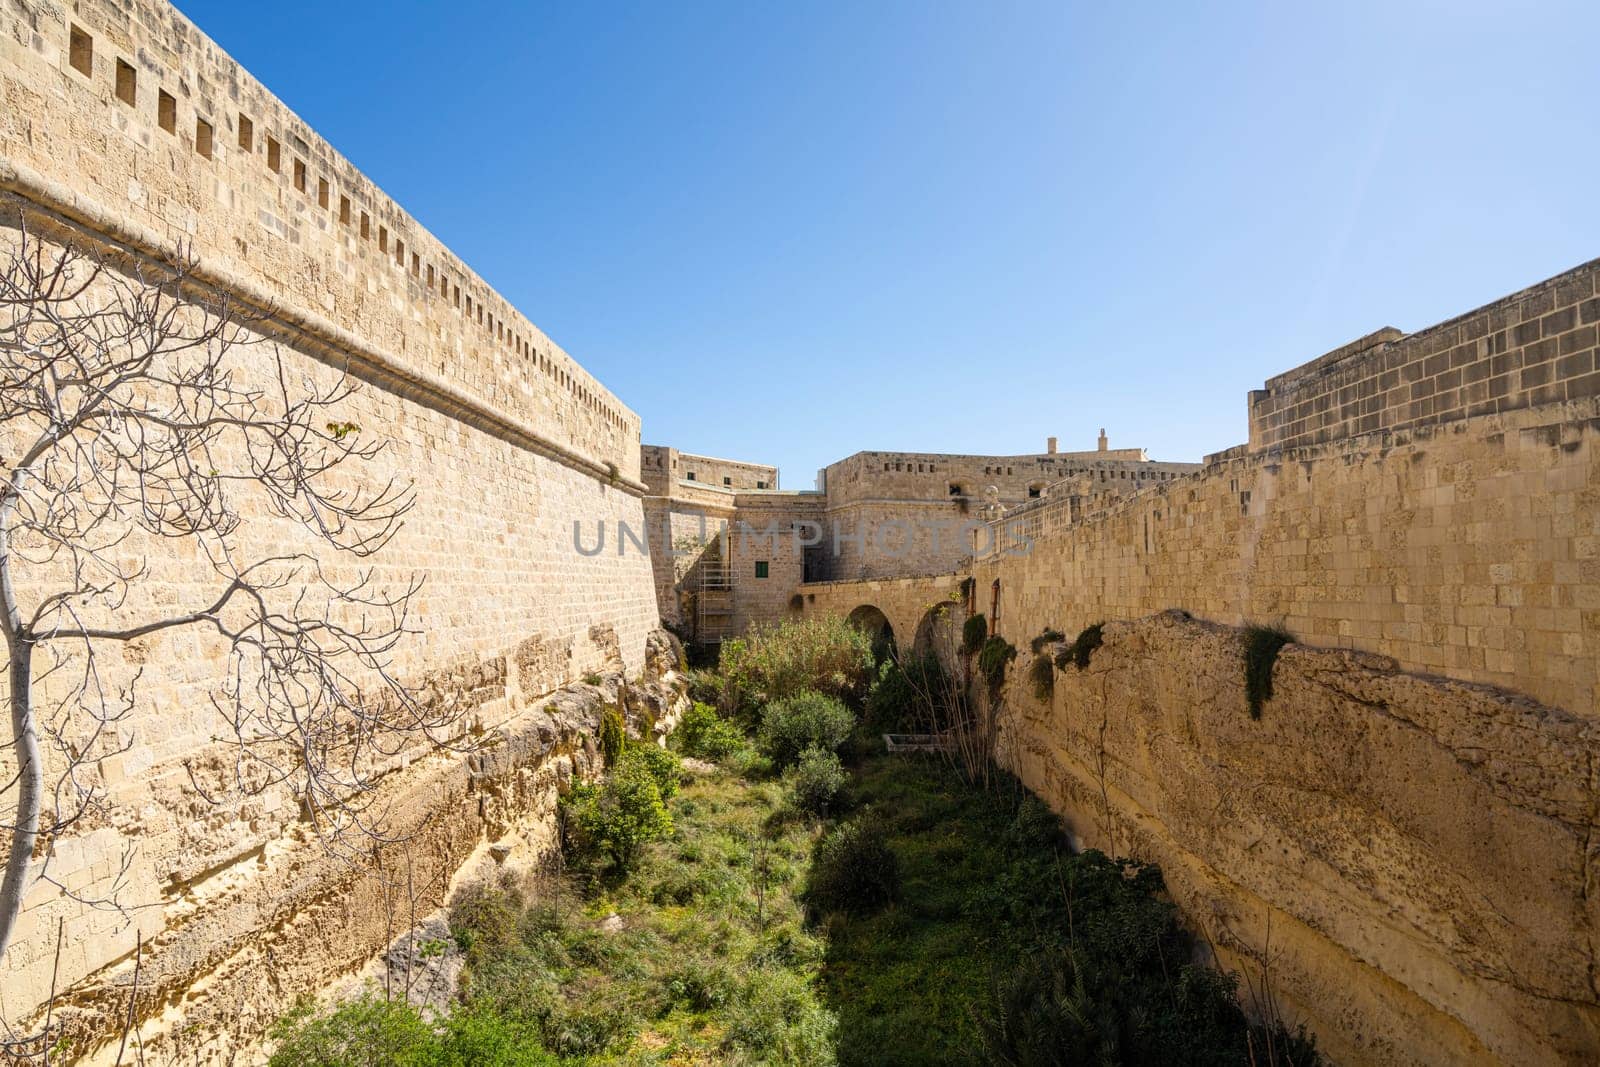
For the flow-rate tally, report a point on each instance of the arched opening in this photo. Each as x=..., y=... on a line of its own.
x=875, y=624
x=939, y=633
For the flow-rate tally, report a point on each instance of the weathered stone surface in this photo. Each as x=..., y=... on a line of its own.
x=1412, y=853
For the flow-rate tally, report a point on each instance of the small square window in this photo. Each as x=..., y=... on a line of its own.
x=80, y=51
x=247, y=133
x=727, y=481
x=689, y=476
x=761, y=568
x=273, y=151
x=167, y=111
x=127, y=82
x=761, y=485
x=202, y=137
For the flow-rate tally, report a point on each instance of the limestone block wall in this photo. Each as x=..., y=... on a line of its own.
x=1531, y=348
x=662, y=468
x=1419, y=841
x=875, y=476
x=1404, y=859
x=158, y=133
x=1470, y=550
x=123, y=126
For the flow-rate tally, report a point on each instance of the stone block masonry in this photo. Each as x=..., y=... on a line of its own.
x=124, y=127
x=1532, y=348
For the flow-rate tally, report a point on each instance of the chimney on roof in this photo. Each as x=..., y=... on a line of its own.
x=1104, y=444
x=1050, y=445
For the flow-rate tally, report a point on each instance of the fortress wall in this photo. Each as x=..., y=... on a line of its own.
x=871, y=476
x=1403, y=860
x=1531, y=348
x=286, y=213
x=508, y=443
x=1470, y=550
x=1419, y=843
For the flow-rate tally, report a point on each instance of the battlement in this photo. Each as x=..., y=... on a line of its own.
x=125, y=117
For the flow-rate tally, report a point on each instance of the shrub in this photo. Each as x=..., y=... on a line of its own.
x=776, y=1018
x=367, y=1032
x=662, y=766
x=802, y=721
x=1047, y=636
x=1042, y=673
x=612, y=736
x=1082, y=648
x=1261, y=647
x=816, y=781
x=484, y=919
x=705, y=687
x=996, y=655
x=854, y=869
x=704, y=734
x=618, y=816
x=900, y=697
x=824, y=654
x=973, y=633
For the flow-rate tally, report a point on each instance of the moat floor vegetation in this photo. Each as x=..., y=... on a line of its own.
x=770, y=903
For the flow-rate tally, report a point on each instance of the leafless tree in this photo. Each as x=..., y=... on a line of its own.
x=130, y=417
x=963, y=718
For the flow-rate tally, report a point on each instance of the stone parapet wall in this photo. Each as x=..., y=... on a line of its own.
x=1532, y=348
x=273, y=205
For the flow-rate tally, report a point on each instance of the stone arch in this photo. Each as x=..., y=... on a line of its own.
x=938, y=630
x=871, y=620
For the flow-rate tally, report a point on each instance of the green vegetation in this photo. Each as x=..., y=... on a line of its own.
x=824, y=654
x=1261, y=647
x=816, y=781
x=615, y=817
x=613, y=737
x=1082, y=648
x=702, y=921
x=995, y=657
x=899, y=699
x=973, y=633
x=1042, y=675
x=855, y=870
x=805, y=720
x=1047, y=636
x=704, y=734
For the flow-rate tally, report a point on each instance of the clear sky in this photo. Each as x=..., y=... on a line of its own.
x=788, y=232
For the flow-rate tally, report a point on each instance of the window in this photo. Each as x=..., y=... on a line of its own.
x=344, y=210
x=202, y=137
x=127, y=82
x=761, y=485
x=366, y=225
x=273, y=149
x=727, y=481
x=761, y=568
x=322, y=193
x=383, y=238
x=80, y=51
x=955, y=489
x=300, y=175
x=247, y=133
x=994, y=607
x=1034, y=492
x=689, y=476
x=167, y=111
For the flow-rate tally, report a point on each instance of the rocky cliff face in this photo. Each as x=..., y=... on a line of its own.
x=1406, y=862
x=294, y=917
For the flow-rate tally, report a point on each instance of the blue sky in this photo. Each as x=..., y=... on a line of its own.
x=788, y=232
